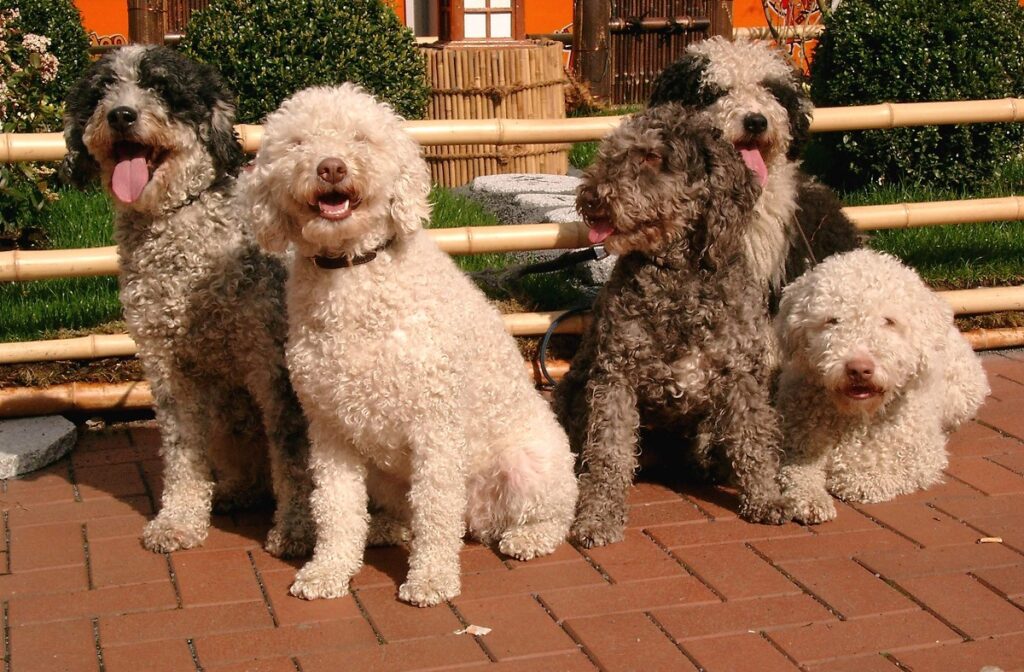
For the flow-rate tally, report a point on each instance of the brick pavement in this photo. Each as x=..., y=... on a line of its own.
x=902, y=585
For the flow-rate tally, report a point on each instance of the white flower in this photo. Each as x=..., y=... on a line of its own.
x=48, y=65
x=35, y=43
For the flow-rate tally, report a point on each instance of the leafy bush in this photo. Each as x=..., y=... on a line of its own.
x=912, y=51
x=43, y=50
x=268, y=49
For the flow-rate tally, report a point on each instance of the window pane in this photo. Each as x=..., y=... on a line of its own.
x=501, y=25
x=501, y=4
x=475, y=25
x=475, y=4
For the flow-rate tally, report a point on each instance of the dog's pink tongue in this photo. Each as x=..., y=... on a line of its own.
x=599, y=231
x=129, y=179
x=752, y=157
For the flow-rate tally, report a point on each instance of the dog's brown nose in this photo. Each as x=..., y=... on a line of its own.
x=860, y=369
x=332, y=170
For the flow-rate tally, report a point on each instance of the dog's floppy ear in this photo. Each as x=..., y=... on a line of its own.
x=733, y=193
x=791, y=322
x=410, y=194
x=798, y=109
x=269, y=223
x=684, y=82
x=221, y=140
x=78, y=167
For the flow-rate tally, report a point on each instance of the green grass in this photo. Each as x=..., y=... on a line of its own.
x=49, y=308
x=959, y=255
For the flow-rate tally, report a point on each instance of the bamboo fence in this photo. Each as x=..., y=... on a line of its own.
x=963, y=302
x=50, y=146
x=106, y=397
x=519, y=81
x=22, y=265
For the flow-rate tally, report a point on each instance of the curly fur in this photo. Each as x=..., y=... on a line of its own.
x=875, y=377
x=416, y=395
x=798, y=221
x=679, y=332
x=203, y=303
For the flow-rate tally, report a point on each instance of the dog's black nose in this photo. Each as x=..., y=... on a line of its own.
x=755, y=123
x=122, y=118
x=332, y=170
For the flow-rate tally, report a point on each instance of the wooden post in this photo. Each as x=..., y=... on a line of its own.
x=721, y=19
x=146, y=21
x=592, y=56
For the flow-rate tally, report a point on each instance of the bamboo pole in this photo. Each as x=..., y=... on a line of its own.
x=22, y=401
x=984, y=299
x=135, y=395
x=50, y=146
x=86, y=347
x=41, y=264
x=991, y=339
x=45, y=264
x=907, y=215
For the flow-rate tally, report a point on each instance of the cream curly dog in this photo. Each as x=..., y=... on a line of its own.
x=417, y=397
x=875, y=377
x=204, y=304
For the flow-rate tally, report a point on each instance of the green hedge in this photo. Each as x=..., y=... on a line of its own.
x=269, y=49
x=874, y=51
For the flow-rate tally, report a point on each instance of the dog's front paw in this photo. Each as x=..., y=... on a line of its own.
x=165, y=534
x=813, y=510
x=425, y=590
x=591, y=533
x=769, y=512
x=290, y=540
x=318, y=580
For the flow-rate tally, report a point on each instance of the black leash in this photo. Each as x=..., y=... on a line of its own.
x=495, y=279
x=542, y=352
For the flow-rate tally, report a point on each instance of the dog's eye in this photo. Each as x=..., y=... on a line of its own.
x=832, y=321
x=889, y=322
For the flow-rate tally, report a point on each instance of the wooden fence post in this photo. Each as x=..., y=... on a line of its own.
x=146, y=19
x=590, y=45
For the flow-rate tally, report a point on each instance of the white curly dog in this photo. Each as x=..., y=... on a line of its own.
x=417, y=397
x=875, y=377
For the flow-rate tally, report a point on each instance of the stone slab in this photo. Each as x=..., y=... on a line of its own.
x=28, y=444
x=521, y=198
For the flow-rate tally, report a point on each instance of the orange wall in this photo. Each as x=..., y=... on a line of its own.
x=104, y=17
x=547, y=16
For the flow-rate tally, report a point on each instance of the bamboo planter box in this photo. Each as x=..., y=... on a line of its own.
x=519, y=80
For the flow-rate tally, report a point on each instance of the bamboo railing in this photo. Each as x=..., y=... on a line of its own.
x=963, y=302
x=50, y=146
x=22, y=265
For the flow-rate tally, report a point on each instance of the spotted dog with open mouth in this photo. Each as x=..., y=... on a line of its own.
x=875, y=375
x=202, y=302
x=752, y=93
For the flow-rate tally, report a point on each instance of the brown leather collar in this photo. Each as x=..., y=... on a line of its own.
x=345, y=261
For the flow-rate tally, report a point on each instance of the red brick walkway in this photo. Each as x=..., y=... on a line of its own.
x=897, y=586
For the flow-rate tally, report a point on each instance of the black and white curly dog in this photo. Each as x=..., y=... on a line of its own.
x=203, y=303
x=679, y=332
x=752, y=93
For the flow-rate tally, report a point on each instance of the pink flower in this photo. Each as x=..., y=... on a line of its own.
x=37, y=44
